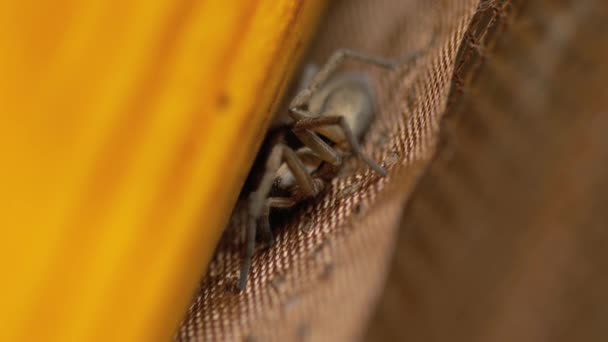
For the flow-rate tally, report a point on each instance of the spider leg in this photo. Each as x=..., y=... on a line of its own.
x=272, y=202
x=332, y=64
x=249, y=247
x=313, y=122
x=323, y=150
x=258, y=200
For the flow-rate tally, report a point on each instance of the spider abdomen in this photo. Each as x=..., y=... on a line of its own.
x=350, y=96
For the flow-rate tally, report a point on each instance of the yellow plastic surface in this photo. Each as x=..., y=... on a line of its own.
x=126, y=131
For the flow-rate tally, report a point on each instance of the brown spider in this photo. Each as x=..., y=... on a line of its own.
x=328, y=116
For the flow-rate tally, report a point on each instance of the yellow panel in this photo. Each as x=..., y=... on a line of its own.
x=126, y=131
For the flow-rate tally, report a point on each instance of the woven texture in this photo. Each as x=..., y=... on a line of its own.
x=322, y=277
x=505, y=236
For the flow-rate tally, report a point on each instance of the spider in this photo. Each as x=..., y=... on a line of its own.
x=328, y=116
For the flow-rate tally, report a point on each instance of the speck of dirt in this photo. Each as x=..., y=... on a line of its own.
x=222, y=101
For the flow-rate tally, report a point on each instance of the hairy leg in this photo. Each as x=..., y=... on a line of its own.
x=328, y=69
x=259, y=201
x=272, y=202
x=312, y=122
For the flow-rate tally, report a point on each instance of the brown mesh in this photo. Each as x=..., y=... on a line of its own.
x=505, y=236
x=322, y=277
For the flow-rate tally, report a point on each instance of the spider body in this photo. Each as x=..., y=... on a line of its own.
x=349, y=96
x=328, y=116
